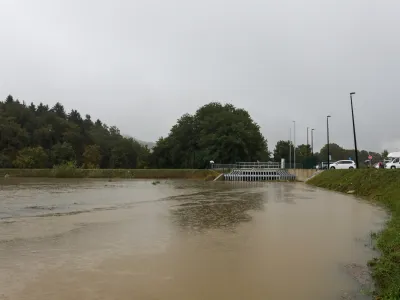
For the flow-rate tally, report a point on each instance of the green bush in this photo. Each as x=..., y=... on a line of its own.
x=66, y=170
x=30, y=158
x=70, y=170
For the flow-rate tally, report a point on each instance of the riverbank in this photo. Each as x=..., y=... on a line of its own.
x=111, y=173
x=383, y=187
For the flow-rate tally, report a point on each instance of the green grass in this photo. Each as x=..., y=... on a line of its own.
x=67, y=172
x=383, y=187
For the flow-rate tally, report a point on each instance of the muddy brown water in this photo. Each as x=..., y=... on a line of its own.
x=94, y=239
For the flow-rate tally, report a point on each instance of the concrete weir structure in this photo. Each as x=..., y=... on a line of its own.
x=256, y=171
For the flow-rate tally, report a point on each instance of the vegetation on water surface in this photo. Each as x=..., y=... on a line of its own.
x=380, y=186
x=73, y=172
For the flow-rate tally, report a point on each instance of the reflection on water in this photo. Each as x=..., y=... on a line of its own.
x=207, y=210
x=92, y=239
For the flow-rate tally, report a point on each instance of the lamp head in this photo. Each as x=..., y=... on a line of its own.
x=353, y=93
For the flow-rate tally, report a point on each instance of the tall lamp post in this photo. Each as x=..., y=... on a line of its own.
x=312, y=141
x=354, y=128
x=307, y=142
x=294, y=144
x=327, y=136
x=290, y=148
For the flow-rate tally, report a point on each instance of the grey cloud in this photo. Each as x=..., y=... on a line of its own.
x=140, y=65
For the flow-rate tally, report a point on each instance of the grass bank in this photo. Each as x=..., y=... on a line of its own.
x=383, y=187
x=111, y=173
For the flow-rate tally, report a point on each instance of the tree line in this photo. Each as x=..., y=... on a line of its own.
x=42, y=137
x=308, y=159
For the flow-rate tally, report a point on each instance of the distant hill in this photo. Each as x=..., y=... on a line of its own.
x=149, y=145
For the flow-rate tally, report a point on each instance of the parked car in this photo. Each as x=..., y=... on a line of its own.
x=379, y=165
x=343, y=164
x=394, y=164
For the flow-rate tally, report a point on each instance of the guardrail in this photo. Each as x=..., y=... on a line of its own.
x=248, y=165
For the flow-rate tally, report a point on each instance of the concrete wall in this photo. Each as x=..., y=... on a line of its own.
x=219, y=177
x=302, y=174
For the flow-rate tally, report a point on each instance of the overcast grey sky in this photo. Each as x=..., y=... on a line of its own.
x=140, y=65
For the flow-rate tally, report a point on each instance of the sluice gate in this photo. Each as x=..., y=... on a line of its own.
x=256, y=171
x=258, y=175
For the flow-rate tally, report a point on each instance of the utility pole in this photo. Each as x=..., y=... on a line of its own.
x=294, y=144
x=307, y=142
x=312, y=141
x=327, y=136
x=290, y=148
x=354, y=128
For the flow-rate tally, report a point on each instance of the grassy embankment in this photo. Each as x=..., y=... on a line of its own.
x=383, y=187
x=111, y=173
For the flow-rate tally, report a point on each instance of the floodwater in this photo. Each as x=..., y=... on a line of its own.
x=189, y=240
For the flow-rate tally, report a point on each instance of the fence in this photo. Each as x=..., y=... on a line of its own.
x=247, y=165
x=255, y=165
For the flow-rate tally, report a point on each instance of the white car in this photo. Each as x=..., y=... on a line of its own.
x=394, y=164
x=343, y=164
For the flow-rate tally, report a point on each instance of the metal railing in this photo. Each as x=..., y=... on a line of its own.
x=248, y=165
x=258, y=165
x=223, y=166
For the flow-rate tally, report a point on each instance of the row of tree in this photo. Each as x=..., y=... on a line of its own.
x=305, y=156
x=42, y=137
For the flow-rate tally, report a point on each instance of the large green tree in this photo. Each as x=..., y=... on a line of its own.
x=92, y=157
x=217, y=132
x=282, y=150
x=304, y=156
x=62, y=153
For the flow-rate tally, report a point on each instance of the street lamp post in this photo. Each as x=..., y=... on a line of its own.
x=294, y=144
x=312, y=141
x=327, y=136
x=290, y=148
x=307, y=142
x=354, y=128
